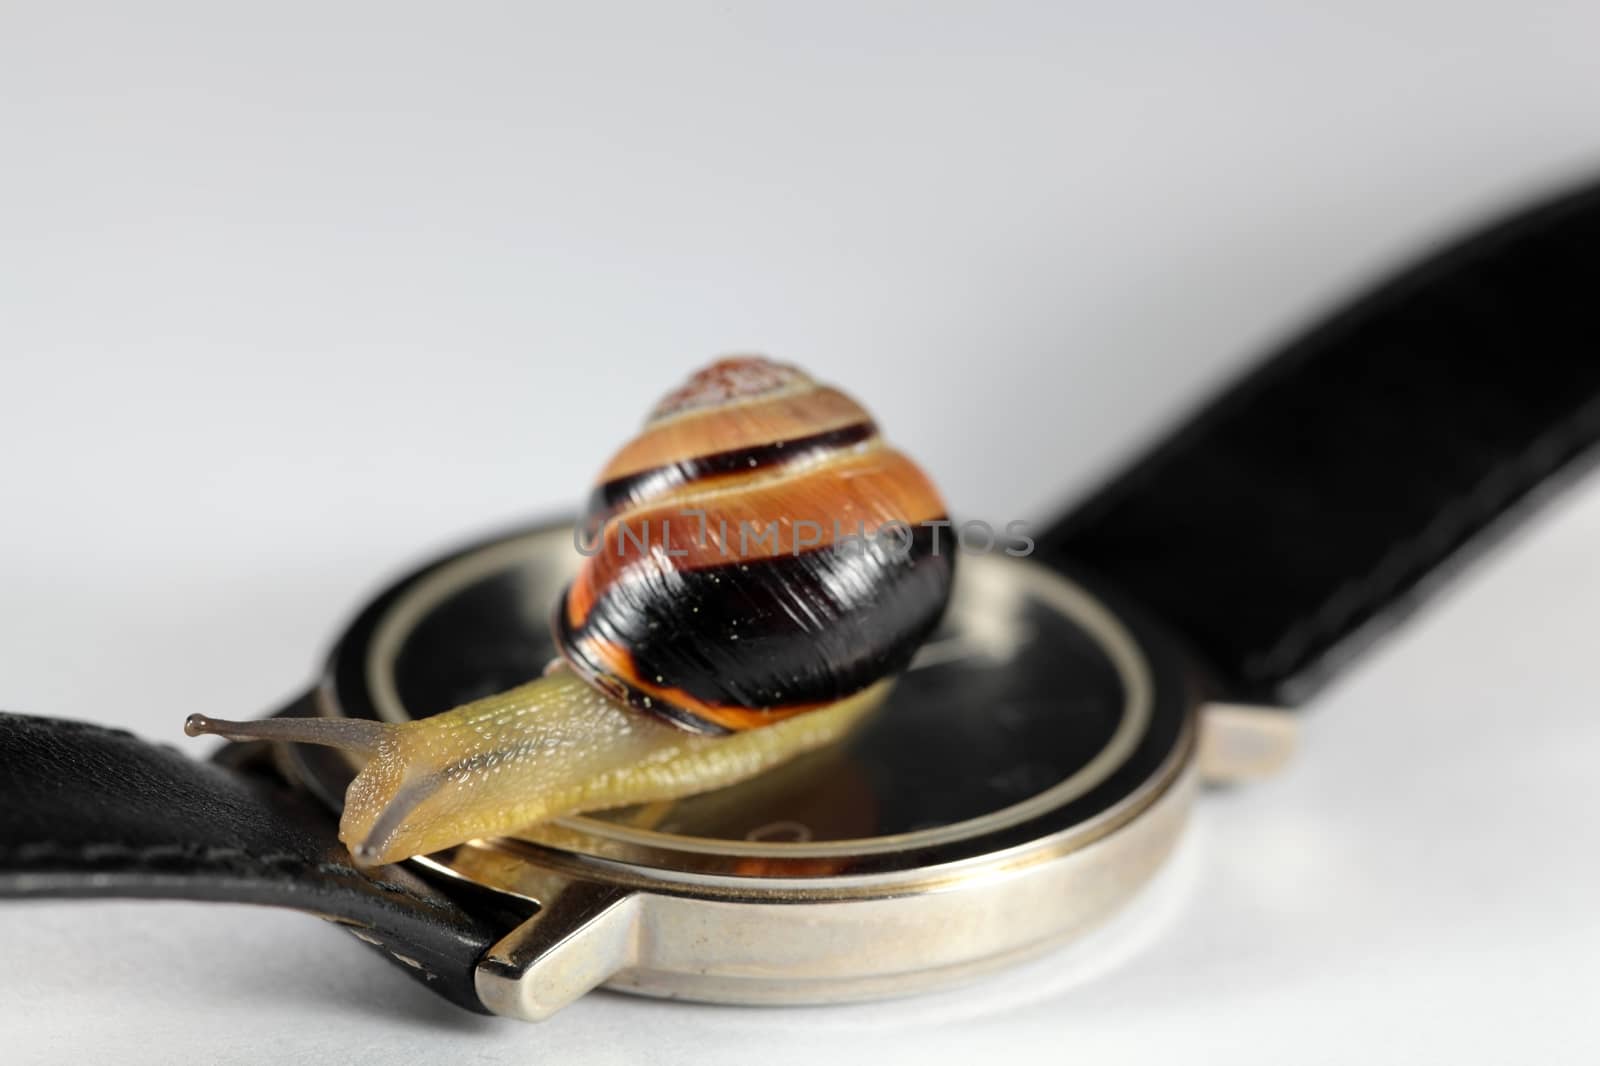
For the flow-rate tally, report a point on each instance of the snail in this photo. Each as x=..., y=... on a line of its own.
x=757, y=572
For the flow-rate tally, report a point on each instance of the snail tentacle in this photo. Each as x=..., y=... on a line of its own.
x=358, y=735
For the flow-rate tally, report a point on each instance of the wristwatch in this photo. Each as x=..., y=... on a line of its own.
x=1030, y=771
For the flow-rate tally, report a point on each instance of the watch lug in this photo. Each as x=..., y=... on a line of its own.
x=583, y=933
x=1244, y=742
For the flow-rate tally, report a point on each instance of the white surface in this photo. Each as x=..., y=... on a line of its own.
x=291, y=296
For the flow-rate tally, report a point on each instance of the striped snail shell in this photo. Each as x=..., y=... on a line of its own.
x=757, y=551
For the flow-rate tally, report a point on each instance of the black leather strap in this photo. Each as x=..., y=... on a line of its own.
x=1317, y=501
x=89, y=811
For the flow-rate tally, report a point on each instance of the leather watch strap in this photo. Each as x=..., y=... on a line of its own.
x=1314, y=503
x=88, y=811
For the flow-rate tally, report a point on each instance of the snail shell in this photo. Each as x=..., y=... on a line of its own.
x=744, y=568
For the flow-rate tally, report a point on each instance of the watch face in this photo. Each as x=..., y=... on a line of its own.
x=1034, y=709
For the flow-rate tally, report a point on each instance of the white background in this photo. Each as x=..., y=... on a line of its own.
x=292, y=294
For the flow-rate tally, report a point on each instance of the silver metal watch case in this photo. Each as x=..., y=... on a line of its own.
x=1028, y=774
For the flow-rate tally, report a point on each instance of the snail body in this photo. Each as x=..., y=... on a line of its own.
x=757, y=574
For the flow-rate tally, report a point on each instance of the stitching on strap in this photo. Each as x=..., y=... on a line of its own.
x=1453, y=525
x=221, y=859
x=66, y=725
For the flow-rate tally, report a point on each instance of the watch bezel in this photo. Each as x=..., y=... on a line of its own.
x=1093, y=849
